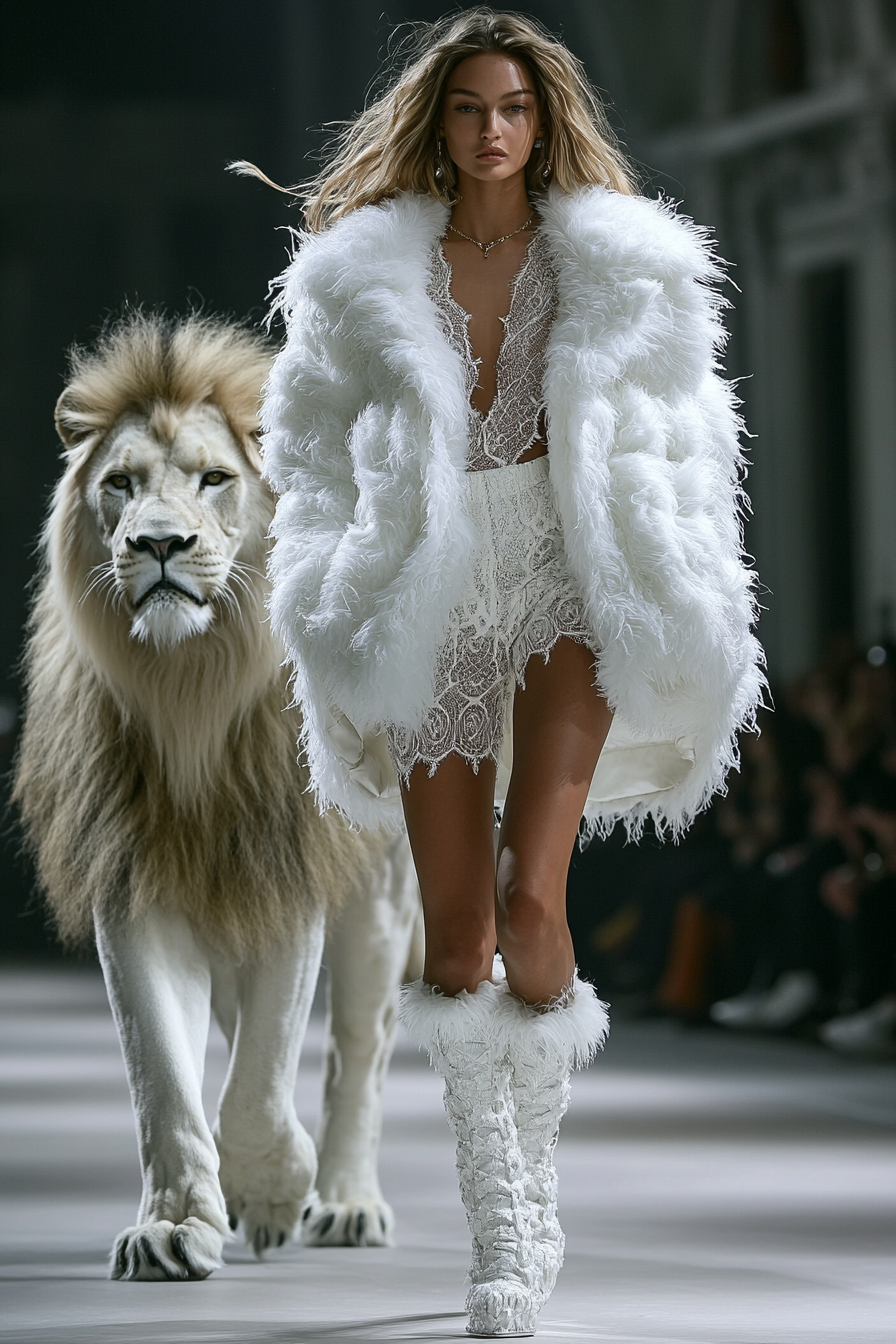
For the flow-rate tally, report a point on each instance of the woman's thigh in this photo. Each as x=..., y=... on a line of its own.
x=560, y=724
x=450, y=824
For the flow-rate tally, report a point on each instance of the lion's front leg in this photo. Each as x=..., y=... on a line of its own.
x=366, y=955
x=268, y=1160
x=158, y=981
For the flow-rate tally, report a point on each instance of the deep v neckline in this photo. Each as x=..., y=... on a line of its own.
x=467, y=317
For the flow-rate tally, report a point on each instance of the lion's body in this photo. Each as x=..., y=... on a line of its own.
x=157, y=776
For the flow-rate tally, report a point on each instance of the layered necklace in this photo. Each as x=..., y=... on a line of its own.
x=485, y=248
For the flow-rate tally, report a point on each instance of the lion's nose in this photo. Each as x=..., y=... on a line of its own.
x=161, y=547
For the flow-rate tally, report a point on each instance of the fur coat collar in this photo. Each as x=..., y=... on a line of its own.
x=365, y=438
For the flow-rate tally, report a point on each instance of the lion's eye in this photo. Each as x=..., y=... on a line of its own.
x=118, y=483
x=216, y=478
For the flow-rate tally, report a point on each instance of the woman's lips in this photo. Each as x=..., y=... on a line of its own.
x=492, y=154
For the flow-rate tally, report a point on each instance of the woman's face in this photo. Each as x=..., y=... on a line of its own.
x=490, y=116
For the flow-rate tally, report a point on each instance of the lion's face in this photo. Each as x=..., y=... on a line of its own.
x=178, y=516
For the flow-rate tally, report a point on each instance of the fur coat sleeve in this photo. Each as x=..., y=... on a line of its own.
x=647, y=467
x=365, y=439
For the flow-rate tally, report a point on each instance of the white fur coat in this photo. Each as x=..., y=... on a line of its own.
x=365, y=437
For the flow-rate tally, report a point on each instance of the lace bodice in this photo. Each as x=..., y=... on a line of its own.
x=513, y=422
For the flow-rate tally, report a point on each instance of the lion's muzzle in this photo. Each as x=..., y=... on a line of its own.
x=164, y=550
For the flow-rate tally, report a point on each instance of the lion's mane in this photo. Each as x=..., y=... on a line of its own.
x=148, y=775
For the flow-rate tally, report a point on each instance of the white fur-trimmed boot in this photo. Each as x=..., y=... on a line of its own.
x=467, y=1051
x=542, y=1046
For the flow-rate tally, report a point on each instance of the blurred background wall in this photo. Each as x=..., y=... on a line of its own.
x=771, y=120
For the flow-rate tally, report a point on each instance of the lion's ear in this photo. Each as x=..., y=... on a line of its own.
x=72, y=425
x=77, y=429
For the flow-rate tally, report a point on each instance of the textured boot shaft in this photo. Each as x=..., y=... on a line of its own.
x=542, y=1048
x=506, y=1068
x=460, y=1035
x=540, y=1101
x=489, y=1162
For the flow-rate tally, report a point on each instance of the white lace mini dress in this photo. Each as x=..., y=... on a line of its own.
x=520, y=596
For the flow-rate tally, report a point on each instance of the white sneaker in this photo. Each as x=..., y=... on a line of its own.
x=739, y=1012
x=791, y=998
x=871, y=1033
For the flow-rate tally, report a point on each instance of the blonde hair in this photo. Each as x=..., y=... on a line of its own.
x=393, y=145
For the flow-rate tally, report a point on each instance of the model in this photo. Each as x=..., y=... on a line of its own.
x=507, y=563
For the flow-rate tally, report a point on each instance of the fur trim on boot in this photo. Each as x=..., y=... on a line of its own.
x=459, y=1034
x=542, y=1047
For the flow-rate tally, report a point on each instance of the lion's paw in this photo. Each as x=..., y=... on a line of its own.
x=267, y=1223
x=356, y=1222
x=166, y=1250
x=267, y=1187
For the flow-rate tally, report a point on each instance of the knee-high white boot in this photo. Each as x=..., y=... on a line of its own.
x=466, y=1049
x=542, y=1046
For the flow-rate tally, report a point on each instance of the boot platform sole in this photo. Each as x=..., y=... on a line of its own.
x=500, y=1334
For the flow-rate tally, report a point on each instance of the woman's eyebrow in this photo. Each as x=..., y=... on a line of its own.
x=470, y=92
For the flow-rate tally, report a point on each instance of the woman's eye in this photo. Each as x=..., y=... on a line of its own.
x=215, y=478
x=118, y=482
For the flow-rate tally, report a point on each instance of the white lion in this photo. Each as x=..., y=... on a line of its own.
x=161, y=795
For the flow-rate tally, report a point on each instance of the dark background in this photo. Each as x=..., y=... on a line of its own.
x=770, y=119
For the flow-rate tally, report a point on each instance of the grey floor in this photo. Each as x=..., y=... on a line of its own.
x=714, y=1191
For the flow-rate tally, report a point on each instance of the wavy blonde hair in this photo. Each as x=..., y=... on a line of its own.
x=394, y=144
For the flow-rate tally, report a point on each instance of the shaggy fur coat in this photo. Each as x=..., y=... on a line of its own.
x=365, y=437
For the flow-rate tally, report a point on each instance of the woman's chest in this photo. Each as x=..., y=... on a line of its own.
x=502, y=330
x=484, y=290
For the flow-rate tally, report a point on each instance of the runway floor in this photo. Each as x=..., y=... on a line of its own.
x=714, y=1191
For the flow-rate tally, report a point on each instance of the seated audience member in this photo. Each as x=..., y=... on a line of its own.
x=828, y=894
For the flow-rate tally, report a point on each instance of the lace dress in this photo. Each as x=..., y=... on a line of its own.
x=520, y=596
x=516, y=416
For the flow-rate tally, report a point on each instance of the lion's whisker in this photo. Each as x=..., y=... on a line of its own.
x=104, y=577
x=237, y=578
x=240, y=582
x=242, y=567
x=228, y=600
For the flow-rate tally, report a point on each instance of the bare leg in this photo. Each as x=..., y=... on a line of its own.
x=451, y=828
x=505, y=1087
x=560, y=724
x=450, y=821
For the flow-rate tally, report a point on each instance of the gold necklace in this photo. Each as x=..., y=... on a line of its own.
x=485, y=248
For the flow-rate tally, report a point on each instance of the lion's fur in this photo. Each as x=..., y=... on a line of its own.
x=160, y=367
x=167, y=775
